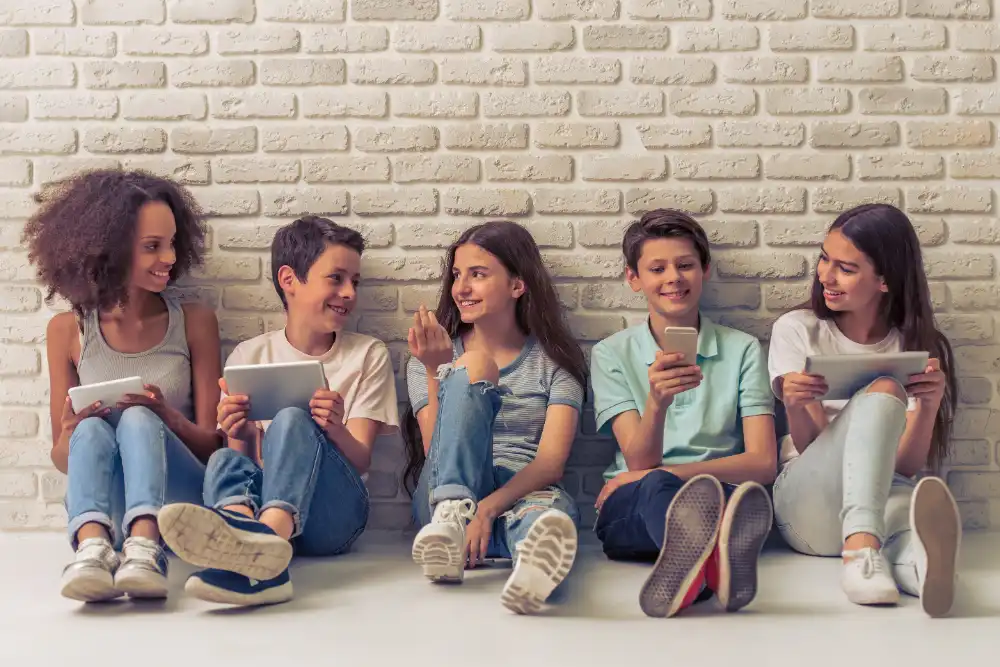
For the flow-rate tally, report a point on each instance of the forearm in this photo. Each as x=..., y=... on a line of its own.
x=200, y=440
x=915, y=445
x=356, y=452
x=801, y=427
x=644, y=450
x=734, y=469
x=533, y=477
x=427, y=432
x=60, y=455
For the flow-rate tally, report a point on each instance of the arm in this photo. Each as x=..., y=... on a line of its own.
x=927, y=389
x=427, y=416
x=786, y=360
x=641, y=438
x=758, y=463
x=59, y=337
x=355, y=441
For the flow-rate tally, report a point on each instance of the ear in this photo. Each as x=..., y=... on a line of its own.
x=632, y=279
x=517, y=288
x=707, y=274
x=882, y=286
x=287, y=280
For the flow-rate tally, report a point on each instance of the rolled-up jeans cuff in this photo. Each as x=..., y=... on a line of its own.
x=77, y=522
x=237, y=500
x=286, y=507
x=451, y=492
x=143, y=511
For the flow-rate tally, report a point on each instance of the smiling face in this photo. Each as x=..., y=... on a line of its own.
x=849, y=280
x=153, y=253
x=482, y=286
x=328, y=294
x=670, y=275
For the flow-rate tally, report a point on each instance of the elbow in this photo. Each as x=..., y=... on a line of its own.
x=767, y=474
x=642, y=462
x=908, y=468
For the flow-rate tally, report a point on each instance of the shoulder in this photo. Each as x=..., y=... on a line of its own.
x=803, y=318
x=200, y=321
x=731, y=338
x=253, y=351
x=62, y=329
x=618, y=342
x=356, y=343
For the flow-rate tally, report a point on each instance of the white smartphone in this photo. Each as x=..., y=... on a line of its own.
x=274, y=387
x=106, y=393
x=683, y=340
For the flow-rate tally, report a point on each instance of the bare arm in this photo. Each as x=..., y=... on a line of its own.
x=356, y=441
x=641, y=438
x=928, y=389
x=759, y=463
x=806, y=418
x=59, y=336
x=427, y=416
x=202, y=330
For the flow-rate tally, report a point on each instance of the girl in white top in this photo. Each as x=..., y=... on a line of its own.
x=846, y=484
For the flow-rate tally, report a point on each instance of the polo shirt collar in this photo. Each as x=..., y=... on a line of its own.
x=708, y=340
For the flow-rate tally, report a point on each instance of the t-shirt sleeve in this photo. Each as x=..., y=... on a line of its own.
x=416, y=384
x=788, y=349
x=376, y=397
x=611, y=393
x=755, y=397
x=565, y=390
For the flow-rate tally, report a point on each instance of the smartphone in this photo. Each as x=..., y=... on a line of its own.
x=683, y=340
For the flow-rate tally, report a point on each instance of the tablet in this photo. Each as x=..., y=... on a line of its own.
x=847, y=374
x=106, y=393
x=274, y=387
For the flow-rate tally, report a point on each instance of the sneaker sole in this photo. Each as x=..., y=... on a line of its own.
x=199, y=589
x=937, y=524
x=746, y=523
x=142, y=585
x=202, y=538
x=440, y=557
x=545, y=559
x=692, y=527
x=96, y=586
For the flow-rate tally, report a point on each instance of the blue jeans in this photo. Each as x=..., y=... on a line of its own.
x=305, y=475
x=126, y=467
x=460, y=463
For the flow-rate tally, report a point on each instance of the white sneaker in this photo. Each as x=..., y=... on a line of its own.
x=866, y=578
x=143, y=572
x=545, y=557
x=937, y=530
x=440, y=545
x=90, y=577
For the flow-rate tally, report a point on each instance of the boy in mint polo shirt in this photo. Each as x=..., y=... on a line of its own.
x=696, y=436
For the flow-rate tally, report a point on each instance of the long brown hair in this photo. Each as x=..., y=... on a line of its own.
x=886, y=236
x=537, y=313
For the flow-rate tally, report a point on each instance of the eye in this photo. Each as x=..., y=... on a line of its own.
x=337, y=279
x=685, y=267
x=846, y=270
x=478, y=274
x=823, y=259
x=355, y=282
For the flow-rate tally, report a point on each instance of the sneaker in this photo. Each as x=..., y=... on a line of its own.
x=224, y=587
x=866, y=578
x=91, y=575
x=440, y=545
x=143, y=572
x=746, y=522
x=545, y=557
x=224, y=540
x=692, y=527
x=937, y=528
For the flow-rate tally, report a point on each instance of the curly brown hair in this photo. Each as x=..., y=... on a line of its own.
x=80, y=239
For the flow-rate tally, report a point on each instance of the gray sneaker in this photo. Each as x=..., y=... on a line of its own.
x=143, y=572
x=90, y=577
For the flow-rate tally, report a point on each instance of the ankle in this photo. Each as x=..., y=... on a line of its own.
x=861, y=541
x=90, y=531
x=240, y=509
x=278, y=520
x=145, y=527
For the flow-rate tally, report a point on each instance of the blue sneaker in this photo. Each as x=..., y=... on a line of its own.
x=224, y=540
x=230, y=588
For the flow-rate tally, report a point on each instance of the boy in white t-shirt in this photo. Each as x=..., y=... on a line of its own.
x=298, y=480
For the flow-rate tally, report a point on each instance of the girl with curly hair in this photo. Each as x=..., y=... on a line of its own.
x=109, y=242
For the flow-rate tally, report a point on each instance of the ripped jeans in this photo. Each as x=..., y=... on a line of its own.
x=460, y=463
x=305, y=475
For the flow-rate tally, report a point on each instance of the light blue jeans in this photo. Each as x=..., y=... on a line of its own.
x=124, y=467
x=460, y=463
x=845, y=483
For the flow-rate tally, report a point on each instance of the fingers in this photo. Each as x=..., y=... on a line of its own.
x=419, y=331
x=806, y=379
x=933, y=364
x=678, y=372
x=223, y=386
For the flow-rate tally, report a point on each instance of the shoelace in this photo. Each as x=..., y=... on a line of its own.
x=458, y=510
x=144, y=550
x=93, y=550
x=871, y=564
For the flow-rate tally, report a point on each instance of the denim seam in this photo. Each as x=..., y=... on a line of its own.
x=339, y=459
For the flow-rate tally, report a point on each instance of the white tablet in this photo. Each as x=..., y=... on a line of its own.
x=106, y=393
x=846, y=374
x=274, y=387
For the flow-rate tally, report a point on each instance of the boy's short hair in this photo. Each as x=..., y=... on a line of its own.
x=298, y=245
x=660, y=224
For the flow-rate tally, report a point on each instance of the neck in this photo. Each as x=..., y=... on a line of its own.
x=863, y=326
x=307, y=340
x=493, y=337
x=141, y=304
x=658, y=322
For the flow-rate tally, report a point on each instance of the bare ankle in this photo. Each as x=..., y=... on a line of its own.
x=90, y=531
x=860, y=541
x=240, y=509
x=278, y=520
x=145, y=526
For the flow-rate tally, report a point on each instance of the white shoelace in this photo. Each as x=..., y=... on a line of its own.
x=140, y=549
x=458, y=511
x=93, y=550
x=871, y=562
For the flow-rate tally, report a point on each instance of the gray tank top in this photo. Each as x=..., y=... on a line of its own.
x=166, y=365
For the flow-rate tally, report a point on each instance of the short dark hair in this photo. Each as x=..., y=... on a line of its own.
x=664, y=223
x=298, y=245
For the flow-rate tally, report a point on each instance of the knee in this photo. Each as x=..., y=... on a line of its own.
x=479, y=366
x=222, y=460
x=93, y=431
x=287, y=417
x=138, y=416
x=887, y=385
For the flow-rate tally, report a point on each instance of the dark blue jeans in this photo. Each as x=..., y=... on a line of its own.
x=305, y=475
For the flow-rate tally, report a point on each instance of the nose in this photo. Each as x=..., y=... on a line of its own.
x=671, y=274
x=348, y=291
x=168, y=256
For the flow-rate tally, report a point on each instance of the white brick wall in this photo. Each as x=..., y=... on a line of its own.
x=411, y=118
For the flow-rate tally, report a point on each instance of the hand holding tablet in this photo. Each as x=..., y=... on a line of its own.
x=270, y=388
x=839, y=377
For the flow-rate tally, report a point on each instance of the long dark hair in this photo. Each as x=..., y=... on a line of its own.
x=537, y=313
x=886, y=236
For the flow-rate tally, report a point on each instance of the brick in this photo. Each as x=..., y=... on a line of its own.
x=642, y=200
x=977, y=232
x=759, y=69
x=157, y=42
x=594, y=327
x=666, y=10
x=837, y=199
x=620, y=103
x=248, y=40
x=903, y=101
x=37, y=12
x=395, y=201
x=377, y=298
x=212, y=73
x=446, y=38
x=672, y=70
x=577, y=135
x=344, y=104
x=974, y=165
x=977, y=359
x=566, y=69
x=612, y=296
x=576, y=10
x=237, y=329
x=50, y=170
x=74, y=42
x=737, y=37
x=391, y=71
x=486, y=202
x=32, y=515
x=16, y=424
x=958, y=265
x=487, y=10
x=625, y=37
x=53, y=485
x=174, y=105
x=396, y=138
x=426, y=235
x=606, y=265
x=34, y=74
x=680, y=134
x=255, y=170
x=412, y=266
x=819, y=100
x=763, y=10
x=975, y=296
x=257, y=104
x=573, y=200
x=977, y=101
x=808, y=166
x=10, y=232
x=531, y=37
x=18, y=484
x=760, y=266
x=349, y=39
x=186, y=171
x=941, y=134
x=775, y=199
x=930, y=231
x=718, y=102
x=360, y=169
x=906, y=37
x=28, y=329
x=899, y=166
x=122, y=12
x=939, y=296
x=394, y=10
x=950, y=199
x=215, y=11
x=302, y=71
x=795, y=232
x=15, y=171
x=552, y=234
x=949, y=9
x=717, y=296
x=125, y=140
x=624, y=167
x=859, y=69
x=15, y=204
x=855, y=9
x=850, y=134
x=970, y=452
x=13, y=43
x=817, y=37
x=293, y=202
x=414, y=296
x=302, y=11
x=708, y=166
x=484, y=72
x=746, y=134
x=953, y=68
x=487, y=136
x=18, y=391
x=522, y=104
x=18, y=360
x=530, y=168
x=732, y=233
x=977, y=37
x=435, y=104
x=303, y=138
x=966, y=328
x=68, y=106
x=228, y=202
x=125, y=74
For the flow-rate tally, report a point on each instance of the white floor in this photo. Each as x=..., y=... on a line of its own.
x=372, y=607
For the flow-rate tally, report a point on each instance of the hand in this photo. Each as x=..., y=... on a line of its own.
x=327, y=408
x=477, y=537
x=928, y=387
x=152, y=399
x=617, y=481
x=69, y=419
x=231, y=415
x=667, y=378
x=800, y=389
x=428, y=341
